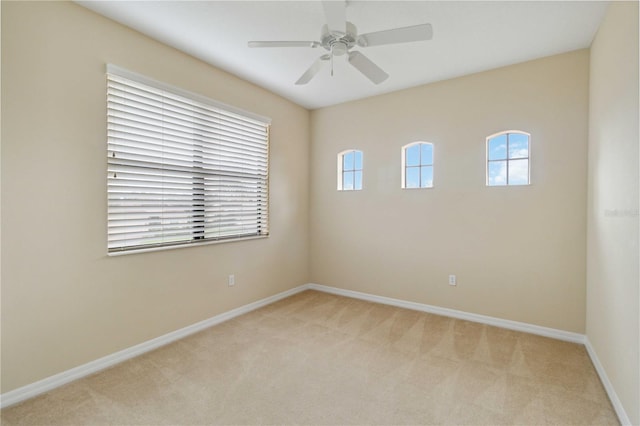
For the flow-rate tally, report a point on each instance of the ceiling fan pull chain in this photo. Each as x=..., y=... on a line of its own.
x=331, y=61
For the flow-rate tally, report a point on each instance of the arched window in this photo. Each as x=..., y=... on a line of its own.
x=417, y=165
x=508, y=155
x=350, y=170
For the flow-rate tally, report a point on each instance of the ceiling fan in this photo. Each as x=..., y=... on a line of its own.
x=339, y=36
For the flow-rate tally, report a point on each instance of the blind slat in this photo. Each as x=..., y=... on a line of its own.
x=181, y=170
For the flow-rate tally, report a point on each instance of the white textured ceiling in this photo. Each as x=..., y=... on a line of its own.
x=468, y=37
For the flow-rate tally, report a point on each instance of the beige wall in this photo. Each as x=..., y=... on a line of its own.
x=613, y=312
x=64, y=302
x=518, y=252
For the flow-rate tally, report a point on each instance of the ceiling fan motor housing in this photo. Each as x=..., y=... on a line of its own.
x=339, y=43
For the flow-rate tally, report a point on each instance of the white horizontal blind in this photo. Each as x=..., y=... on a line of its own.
x=181, y=171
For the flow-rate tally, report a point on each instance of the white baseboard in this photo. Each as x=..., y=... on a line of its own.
x=613, y=396
x=29, y=391
x=498, y=322
x=484, y=319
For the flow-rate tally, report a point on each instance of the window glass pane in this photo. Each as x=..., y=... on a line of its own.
x=413, y=155
x=413, y=177
x=518, y=172
x=358, y=160
x=347, y=161
x=427, y=154
x=518, y=146
x=347, y=181
x=497, y=149
x=426, y=177
x=497, y=173
x=357, y=184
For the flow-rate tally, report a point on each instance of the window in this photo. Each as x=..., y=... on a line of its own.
x=508, y=158
x=182, y=169
x=417, y=165
x=350, y=170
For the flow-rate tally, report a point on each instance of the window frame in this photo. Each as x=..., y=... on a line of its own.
x=420, y=166
x=224, y=167
x=342, y=171
x=508, y=160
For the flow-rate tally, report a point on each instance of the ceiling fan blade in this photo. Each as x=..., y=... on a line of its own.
x=396, y=35
x=284, y=44
x=336, y=13
x=368, y=68
x=313, y=70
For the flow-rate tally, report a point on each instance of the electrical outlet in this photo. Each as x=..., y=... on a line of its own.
x=232, y=280
x=452, y=280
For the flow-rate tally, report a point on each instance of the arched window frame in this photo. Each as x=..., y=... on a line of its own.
x=423, y=166
x=509, y=160
x=350, y=171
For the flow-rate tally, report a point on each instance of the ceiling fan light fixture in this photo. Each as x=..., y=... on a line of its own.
x=339, y=48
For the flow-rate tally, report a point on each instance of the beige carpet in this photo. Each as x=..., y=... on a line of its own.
x=316, y=358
